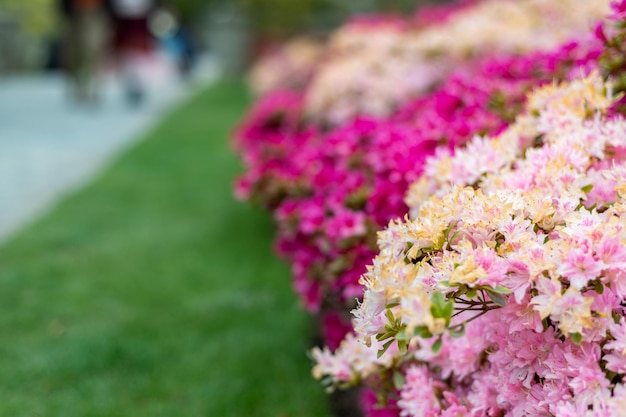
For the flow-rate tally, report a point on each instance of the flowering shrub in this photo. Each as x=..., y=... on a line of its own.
x=470, y=359
x=613, y=35
x=504, y=295
x=289, y=67
x=371, y=70
x=331, y=191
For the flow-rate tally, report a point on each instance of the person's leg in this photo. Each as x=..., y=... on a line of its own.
x=93, y=47
x=70, y=56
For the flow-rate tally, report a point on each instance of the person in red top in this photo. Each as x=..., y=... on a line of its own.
x=132, y=40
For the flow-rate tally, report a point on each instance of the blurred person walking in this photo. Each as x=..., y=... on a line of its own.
x=85, y=40
x=133, y=42
x=166, y=26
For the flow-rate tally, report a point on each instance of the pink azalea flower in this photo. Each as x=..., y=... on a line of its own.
x=418, y=398
x=580, y=267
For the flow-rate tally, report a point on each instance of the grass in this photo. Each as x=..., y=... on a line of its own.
x=153, y=293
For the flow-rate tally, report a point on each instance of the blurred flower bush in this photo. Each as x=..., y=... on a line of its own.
x=288, y=66
x=492, y=126
x=374, y=65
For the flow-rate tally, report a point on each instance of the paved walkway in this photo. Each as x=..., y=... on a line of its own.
x=49, y=147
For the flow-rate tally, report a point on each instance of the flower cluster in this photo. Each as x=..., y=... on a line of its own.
x=613, y=35
x=331, y=191
x=372, y=71
x=501, y=292
x=289, y=66
x=504, y=295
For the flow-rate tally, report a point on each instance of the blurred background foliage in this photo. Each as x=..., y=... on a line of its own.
x=288, y=17
x=28, y=27
x=36, y=17
x=280, y=17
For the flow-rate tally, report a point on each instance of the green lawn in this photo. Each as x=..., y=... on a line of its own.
x=153, y=293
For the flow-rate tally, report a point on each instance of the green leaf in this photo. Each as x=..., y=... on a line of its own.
x=442, y=239
x=576, y=338
x=454, y=236
x=599, y=287
x=401, y=335
x=502, y=290
x=423, y=332
x=457, y=333
x=384, y=336
x=587, y=188
x=447, y=312
x=398, y=380
x=496, y=297
x=382, y=351
x=403, y=346
x=438, y=304
x=437, y=346
x=390, y=316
